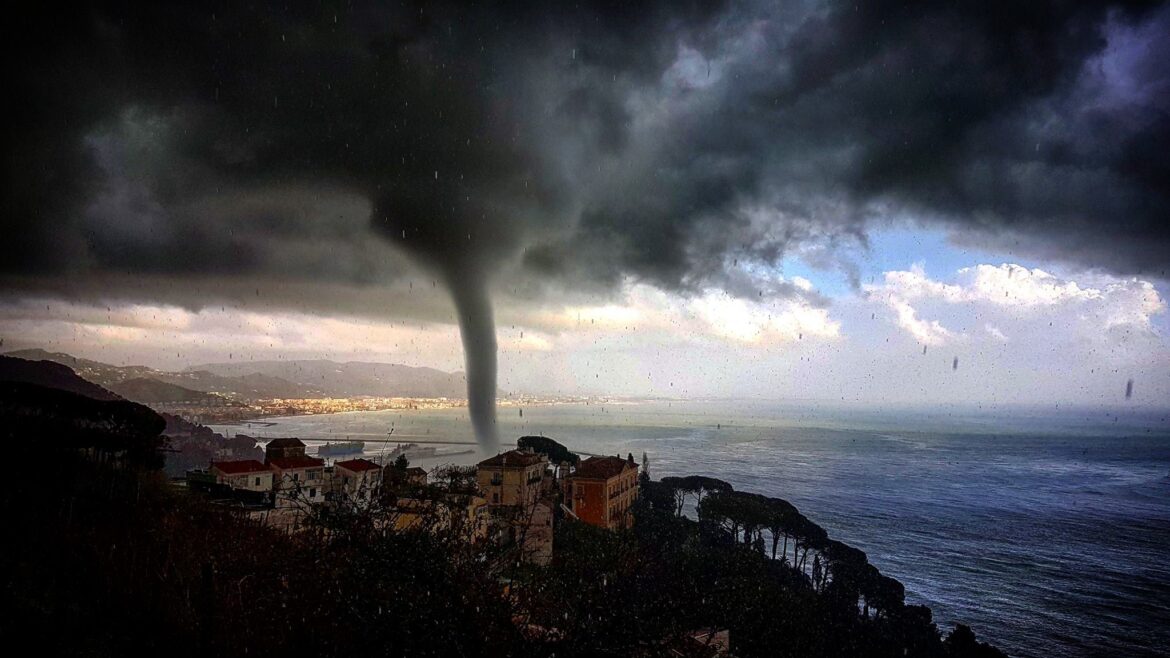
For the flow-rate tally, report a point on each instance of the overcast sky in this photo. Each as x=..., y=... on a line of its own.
x=787, y=200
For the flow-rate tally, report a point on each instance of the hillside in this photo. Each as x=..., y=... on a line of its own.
x=37, y=420
x=94, y=371
x=253, y=386
x=50, y=374
x=250, y=386
x=351, y=378
x=145, y=390
x=254, y=380
x=28, y=386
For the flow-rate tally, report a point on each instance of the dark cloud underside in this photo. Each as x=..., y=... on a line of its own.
x=574, y=146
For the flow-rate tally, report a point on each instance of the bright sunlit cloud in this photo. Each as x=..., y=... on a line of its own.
x=1015, y=296
x=892, y=341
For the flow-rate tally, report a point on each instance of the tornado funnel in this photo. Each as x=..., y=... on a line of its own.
x=478, y=330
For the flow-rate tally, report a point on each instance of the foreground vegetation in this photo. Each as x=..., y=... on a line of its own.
x=110, y=559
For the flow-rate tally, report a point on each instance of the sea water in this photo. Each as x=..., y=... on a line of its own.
x=1047, y=531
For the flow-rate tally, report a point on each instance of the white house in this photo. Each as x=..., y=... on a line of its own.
x=298, y=481
x=247, y=474
x=356, y=480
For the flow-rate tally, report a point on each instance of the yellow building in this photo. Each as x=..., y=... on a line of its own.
x=513, y=478
x=445, y=512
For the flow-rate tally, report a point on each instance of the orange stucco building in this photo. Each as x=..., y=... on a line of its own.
x=602, y=490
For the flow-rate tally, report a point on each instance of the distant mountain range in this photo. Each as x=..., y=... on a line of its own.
x=249, y=387
x=252, y=380
x=350, y=378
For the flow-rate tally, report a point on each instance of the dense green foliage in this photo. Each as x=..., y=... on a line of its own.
x=671, y=575
x=557, y=453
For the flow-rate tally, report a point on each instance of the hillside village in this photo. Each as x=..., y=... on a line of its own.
x=513, y=498
x=254, y=535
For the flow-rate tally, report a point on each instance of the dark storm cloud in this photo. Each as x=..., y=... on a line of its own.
x=998, y=119
x=660, y=141
x=533, y=149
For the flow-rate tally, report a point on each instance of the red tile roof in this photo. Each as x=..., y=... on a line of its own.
x=513, y=458
x=357, y=465
x=286, y=463
x=238, y=467
x=601, y=468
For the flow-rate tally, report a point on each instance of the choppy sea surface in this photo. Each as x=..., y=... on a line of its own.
x=1047, y=531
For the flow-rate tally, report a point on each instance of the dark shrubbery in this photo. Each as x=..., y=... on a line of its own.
x=557, y=453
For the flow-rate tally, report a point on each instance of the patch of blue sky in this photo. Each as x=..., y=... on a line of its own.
x=892, y=249
x=900, y=248
x=831, y=283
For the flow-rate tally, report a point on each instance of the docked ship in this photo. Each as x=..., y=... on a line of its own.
x=413, y=451
x=341, y=448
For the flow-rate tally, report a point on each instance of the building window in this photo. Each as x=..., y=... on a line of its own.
x=257, y=481
x=312, y=492
x=495, y=498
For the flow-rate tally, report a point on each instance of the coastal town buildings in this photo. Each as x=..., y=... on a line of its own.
x=280, y=448
x=518, y=487
x=515, y=477
x=356, y=480
x=416, y=476
x=397, y=479
x=511, y=497
x=288, y=483
x=246, y=475
x=465, y=514
x=602, y=490
x=298, y=480
x=533, y=532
